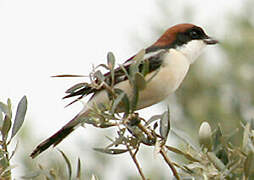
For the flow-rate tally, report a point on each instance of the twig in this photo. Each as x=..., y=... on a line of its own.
x=145, y=131
x=164, y=155
x=133, y=156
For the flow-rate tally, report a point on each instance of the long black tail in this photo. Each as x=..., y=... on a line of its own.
x=58, y=136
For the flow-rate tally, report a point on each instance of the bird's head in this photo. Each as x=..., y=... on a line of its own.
x=186, y=38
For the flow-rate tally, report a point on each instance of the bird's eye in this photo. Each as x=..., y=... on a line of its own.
x=194, y=34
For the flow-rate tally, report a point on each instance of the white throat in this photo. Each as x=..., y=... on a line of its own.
x=192, y=49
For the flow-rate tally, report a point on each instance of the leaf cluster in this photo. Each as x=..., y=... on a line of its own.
x=6, y=125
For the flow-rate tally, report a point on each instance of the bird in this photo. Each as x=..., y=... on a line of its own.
x=169, y=59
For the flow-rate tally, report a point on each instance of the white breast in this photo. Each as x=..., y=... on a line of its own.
x=165, y=82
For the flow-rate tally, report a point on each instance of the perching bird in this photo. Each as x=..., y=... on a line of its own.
x=169, y=57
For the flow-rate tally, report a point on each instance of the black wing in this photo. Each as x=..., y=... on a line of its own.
x=154, y=62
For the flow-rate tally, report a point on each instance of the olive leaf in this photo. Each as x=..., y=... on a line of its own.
x=249, y=164
x=186, y=155
x=245, y=136
x=68, y=163
x=4, y=108
x=6, y=127
x=134, y=67
x=78, y=176
x=15, y=150
x=165, y=124
x=20, y=116
x=139, y=56
x=101, y=65
x=216, y=161
x=134, y=100
x=67, y=75
x=111, y=60
x=1, y=118
x=140, y=81
x=9, y=108
x=121, y=98
x=111, y=151
x=217, y=139
x=99, y=76
x=111, y=65
x=145, y=67
x=125, y=72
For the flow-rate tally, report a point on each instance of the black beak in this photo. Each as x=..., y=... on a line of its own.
x=210, y=41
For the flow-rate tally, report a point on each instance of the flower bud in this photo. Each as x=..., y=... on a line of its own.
x=205, y=135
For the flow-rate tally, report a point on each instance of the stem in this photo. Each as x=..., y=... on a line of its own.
x=133, y=156
x=145, y=131
x=164, y=155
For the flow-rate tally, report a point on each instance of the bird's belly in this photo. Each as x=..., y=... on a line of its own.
x=164, y=83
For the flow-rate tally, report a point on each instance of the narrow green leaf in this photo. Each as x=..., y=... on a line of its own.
x=78, y=176
x=1, y=118
x=99, y=76
x=20, y=116
x=140, y=81
x=4, y=162
x=134, y=100
x=140, y=55
x=9, y=108
x=165, y=124
x=126, y=73
x=111, y=60
x=111, y=65
x=67, y=163
x=249, y=164
x=122, y=99
x=4, y=108
x=117, y=101
x=102, y=65
x=216, y=161
x=110, y=151
x=186, y=155
x=252, y=124
x=7, y=172
x=217, y=139
x=145, y=68
x=14, y=151
x=185, y=138
x=68, y=75
x=175, y=150
x=6, y=127
x=246, y=134
x=134, y=67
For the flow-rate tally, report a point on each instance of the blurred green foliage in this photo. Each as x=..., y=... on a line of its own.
x=223, y=94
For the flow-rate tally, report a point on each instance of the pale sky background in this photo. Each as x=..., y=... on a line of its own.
x=39, y=39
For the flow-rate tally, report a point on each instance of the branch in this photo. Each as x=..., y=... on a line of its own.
x=164, y=155
x=133, y=156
